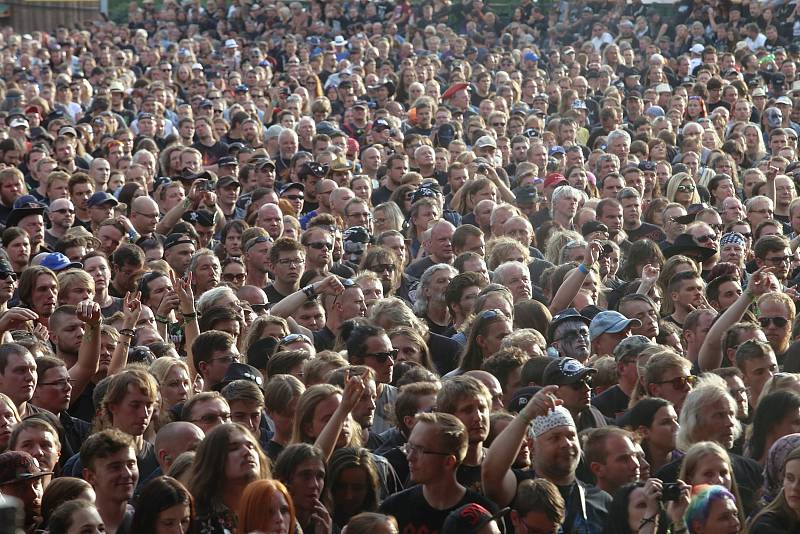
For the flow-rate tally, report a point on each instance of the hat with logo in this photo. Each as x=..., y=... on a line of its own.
x=380, y=125
x=526, y=194
x=470, y=519
x=201, y=217
x=240, y=371
x=565, y=371
x=556, y=150
x=226, y=181
x=16, y=466
x=17, y=122
x=610, y=322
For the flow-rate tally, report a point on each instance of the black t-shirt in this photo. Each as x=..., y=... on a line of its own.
x=646, y=231
x=612, y=402
x=273, y=296
x=469, y=476
x=380, y=195
x=324, y=339
x=415, y=516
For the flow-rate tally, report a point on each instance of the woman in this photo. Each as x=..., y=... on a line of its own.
x=713, y=509
x=362, y=187
x=64, y=489
x=315, y=407
x=227, y=460
x=695, y=108
x=387, y=216
x=371, y=523
x=74, y=286
x=655, y=420
x=9, y=418
x=637, y=508
x=754, y=140
x=411, y=347
x=707, y=463
x=682, y=189
x=485, y=336
x=776, y=415
x=164, y=506
x=472, y=192
x=351, y=485
x=76, y=517
x=641, y=253
x=774, y=467
x=782, y=515
x=231, y=238
x=173, y=380
x=96, y=264
x=266, y=506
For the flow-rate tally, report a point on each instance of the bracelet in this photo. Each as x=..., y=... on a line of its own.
x=583, y=268
x=189, y=315
x=310, y=293
x=161, y=319
x=646, y=520
x=127, y=332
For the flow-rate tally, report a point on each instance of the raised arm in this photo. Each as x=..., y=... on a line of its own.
x=710, y=356
x=89, y=354
x=326, y=441
x=183, y=287
x=574, y=280
x=330, y=285
x=499, y=482
x=131, y=309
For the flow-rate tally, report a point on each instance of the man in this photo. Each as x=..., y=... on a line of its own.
x=357, y=213
x=172, y=440
x=437, y=242
x=776, y=317
x=614, y=400
x=672, y=227
x=318, y=245
x=631, y=202
x=436, y=447
x=12, y=187
x=732, y=210
x=609, y=212
x=38, y=289
x=516, y=277
x=28, y=214
x=773, y=251
x=100, y=207
x=127, y=264
x=396, y=168
x=61, y=214
x=568, y=334
x=759, y=208
x=756, y=360
x=286, y=261
x=81, y=189
x=178, y=251
x=669, y=376
x=212, y=354
x=556, y=453
x=641, y=307
x=207, y=410
x=608, y=329
x=537, y=507
x=270, y=218
x=109, y=465
x=144, y=216
x=574, y=382
x=256, y=260
x=685, y=290
x=564, y=205
x=612, y=458
x=21, y=478
x=468, y=399
x=695, y=330
x=431, y=304
x=370, y=346
x=460, y=296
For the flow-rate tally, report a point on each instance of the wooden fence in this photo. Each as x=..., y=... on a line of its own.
x=45, y=15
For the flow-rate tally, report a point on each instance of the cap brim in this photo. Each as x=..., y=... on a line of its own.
x=622, y=326
x=27, y=476
x=567, y=380
x=704, y=252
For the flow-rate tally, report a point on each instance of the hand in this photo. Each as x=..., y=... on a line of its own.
x=124, y=221
x=15, y=319
x=169, y=302
x=652, y=493
x=592, y=254
x=760, y=282
x=330, y=285
x=541, y=403
x=321, y=519
x=183, y=288
x=131, y=309
x=41, y=332
x=650, y=274
x=676, y=509
x=771, y=173
x=88, y=311
x=353, y=389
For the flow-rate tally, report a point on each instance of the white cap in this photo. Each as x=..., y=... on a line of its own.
x=18, y=121
x=339, y=41
x=784, y=100
x=758, y=91
x=556, y=418
x=663, y=88
x=197, y=66
x=697, y=49
x=485, y=141
x=231, y=43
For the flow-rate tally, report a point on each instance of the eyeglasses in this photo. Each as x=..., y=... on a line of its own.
x=680, y=382
x=777, y=260
x=64, y=210
x=686, y=189
x=383, y=356
x=211, y=418
x=61, y=384
x=231, y=277
x=4, y=276
x=779, y=322
x=765, y=211
x=706, y=238
x=319, y=245
x=382, y=268
x=227, y=359
x=586, y=382
x=409, y=449
x=291, y=262
x=294, y=197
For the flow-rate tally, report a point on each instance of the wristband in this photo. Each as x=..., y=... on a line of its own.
x=127, y=332
x=161, y=319
x=190, y=315
x=583, y=268
x=309, y=292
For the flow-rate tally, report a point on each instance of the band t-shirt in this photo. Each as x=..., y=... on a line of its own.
x=415, y=516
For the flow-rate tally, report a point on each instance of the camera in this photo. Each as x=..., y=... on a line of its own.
x=482, y=168
x=671, y=492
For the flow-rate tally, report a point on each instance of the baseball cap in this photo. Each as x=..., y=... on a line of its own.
x=610, y=322
x=56, y=261
x=225, y=161
x=101, y=197
x=240, y=371
x=565, y=371
x=556, y=150
x=589, y=227
x=697, y=48
x=758, y=92
x=526, y=194
x=470, y=519
x=173, y=240
x=663, y=88
x=553, y=179
x=225, y=181
x=570, y=314
x=292, y=185
x=16, y=466
x=381, y=124
x=17, y=122
x=785, y=100
x=201, y=217
x=485, y=141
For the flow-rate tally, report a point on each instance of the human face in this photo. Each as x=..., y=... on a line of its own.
x=54, y=390
x=689, y=294
x=322, y=414
x=732, y=253
x=791, y=484
x=19, y=379
x=426, y=457
x=179, y=257
x=306, y=484
x=779, y=261
x=718, y=424
x=176, y=387
x=174, y=520
x=757, y=371
x=87, y=521
x=622, y=464
x=242, y=463
x=351, y=303
x=556, y=453
x=778, y=336
x=643, y=311
x=572, y=340
x=110, y=239
x=711, y=469
x=34, y=225
x=247, y=413
x=474, y=413
x=210, y=413
x=383, y=366
x=207, y=273
x=279, y=513
x=729, y=292
x=664, y=431
x=127, y=277
x=7, y=422
x=41, y=444
x=612, y=218
x=518, y=280
x=133, y=413
x=115, y=476
x=19, y=251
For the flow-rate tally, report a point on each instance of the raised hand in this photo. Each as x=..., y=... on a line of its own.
x=541, y=403
x=41, y=332
x=15, y=319
x=183, y=288
x=592, y=254
x=330, y=285
x=132, y=308
x=353, y=389
x=88, y=311
x=650, y=274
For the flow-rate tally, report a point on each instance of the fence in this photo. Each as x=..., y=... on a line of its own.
x=46, y=15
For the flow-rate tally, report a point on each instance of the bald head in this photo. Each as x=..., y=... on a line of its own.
x=492, y=384
x=252, y=294
x=174, y=439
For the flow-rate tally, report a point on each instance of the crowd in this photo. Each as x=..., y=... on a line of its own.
x=381, y=268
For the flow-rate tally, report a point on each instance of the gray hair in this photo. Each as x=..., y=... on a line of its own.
x=210, y=298
x=616, y=134
x=628, y=192
x=709, y=390
x=499, y=274
x=564, y=191
x=421, y=304
x=758, y=198
x=199, y=254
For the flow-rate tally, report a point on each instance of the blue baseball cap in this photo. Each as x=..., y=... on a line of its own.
x=56, y=261
x=100, y=198
x=610, y=322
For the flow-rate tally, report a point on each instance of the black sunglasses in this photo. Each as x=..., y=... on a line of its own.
x=383, y=356
x=6, y=275
x=780, y=322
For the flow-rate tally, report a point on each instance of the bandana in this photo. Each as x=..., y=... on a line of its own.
x=557, y=417
x=732, y=238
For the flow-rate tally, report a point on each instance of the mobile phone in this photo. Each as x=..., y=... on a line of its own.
x=671, y=491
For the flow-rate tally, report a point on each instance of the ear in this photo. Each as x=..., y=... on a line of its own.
x=597, y=469
x=759, y=262
x=731, y=355
x=88, y=476
x=643, y=431
x=651, y=389
x=202, y=368
x=673, y=295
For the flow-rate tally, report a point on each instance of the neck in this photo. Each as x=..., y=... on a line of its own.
x=286, y=288
x=443, y=493
x=558, y=480
x=81, y=214
x=255, y=278
x=437, y=312
x=474, y=454
x=632, y=225
x=627, y=385
x=69, y=358
x=658, y=457
x=563, y=220
x=680, y=313
x=112, y=512
x=233, y=493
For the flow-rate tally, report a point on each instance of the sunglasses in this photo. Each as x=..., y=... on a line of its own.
x=382, y=268
x=319, y=245
x=706, y=238
x=779, y=259
x=686, y=189
x=779, y=322
x=294, y=197
x=680, y=382
x=4, y=276
x=383, y=356
x=291, y=338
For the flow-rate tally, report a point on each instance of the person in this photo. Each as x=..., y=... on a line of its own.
x=637, y=507
x=612, y=458
x=538, y=504
x=435, y=448
x=227, y=460
x=614, y=401
x=266, y=506
x=574, y=382
x=656, y=421
x=712, y=509
x=369, y=345
x=76, y=516
x=21, y=477
x=352, y=485
x=781, y=515
x=371, y=522
x=568, y=333
x=164, y=505
x=301, y=468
